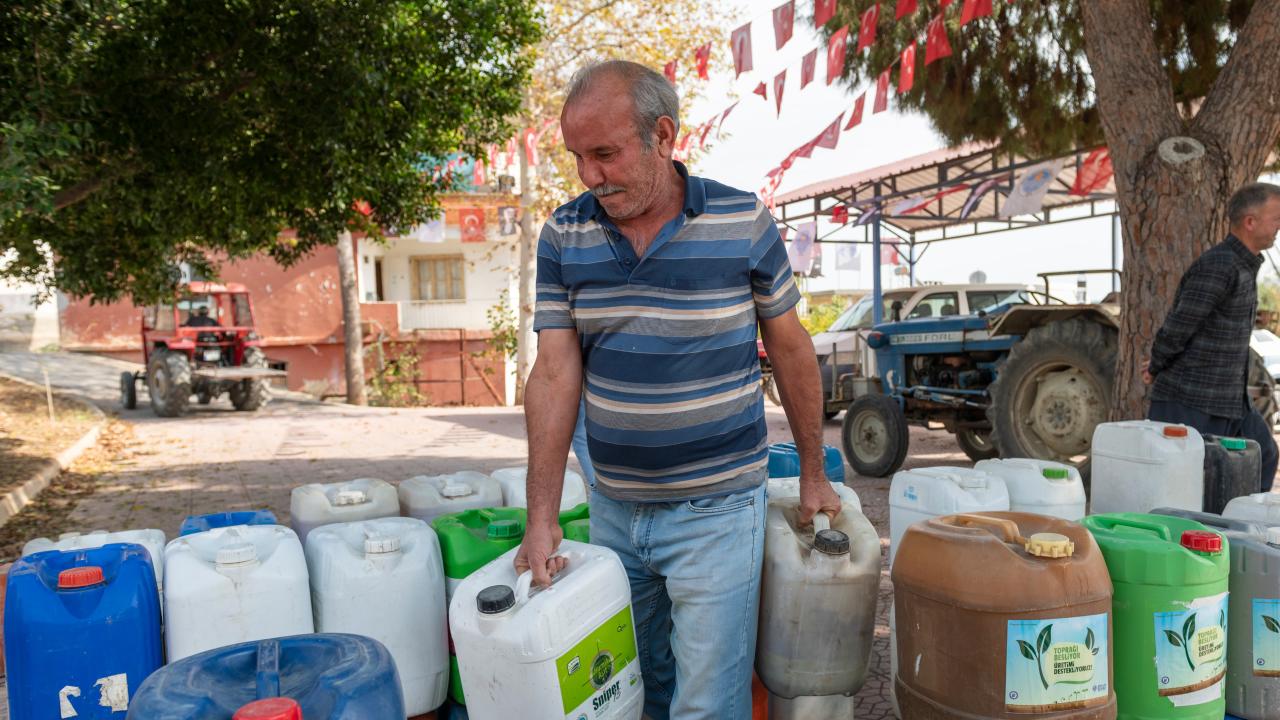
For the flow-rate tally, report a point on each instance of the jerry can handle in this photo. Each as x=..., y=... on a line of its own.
x=821, y=521
x=1006, y=529
x=1112, y=522
x=523, y=584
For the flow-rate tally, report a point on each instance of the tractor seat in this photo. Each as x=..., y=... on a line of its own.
x=922, y=312
x=949, y=309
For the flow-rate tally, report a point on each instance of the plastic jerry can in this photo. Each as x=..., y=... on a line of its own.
x=512, y=482
x=576, y=523
x=383, y=579
x=1138, y=465
x=1040, y=486
x=327, y=677
x=151, y=540
x=232, y=585
x=1253, y=614
x=784, y=461
x=428, y=497
x=564, y=652
x=311, y=506
x=789, y=487
x=1262, y=508
x=1170, y=576
x=1232, y=469
x=81, y=631
x=1001, y=615
x=924, y=493
x=819, y=580
x=200, y=523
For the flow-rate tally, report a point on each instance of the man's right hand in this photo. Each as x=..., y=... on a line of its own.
x=1147, y=377
x=537, y=553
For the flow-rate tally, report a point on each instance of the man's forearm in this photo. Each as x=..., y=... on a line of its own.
x=551, y=411
x=795, y=370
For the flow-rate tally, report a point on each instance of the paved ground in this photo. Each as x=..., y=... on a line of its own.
x=216, y=459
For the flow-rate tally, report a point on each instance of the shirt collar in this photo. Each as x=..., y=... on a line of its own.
x=1247, y=256
x=695, y=195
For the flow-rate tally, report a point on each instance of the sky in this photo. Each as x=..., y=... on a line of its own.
x=755, y=139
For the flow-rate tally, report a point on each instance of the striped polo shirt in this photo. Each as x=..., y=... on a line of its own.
x=671, y=373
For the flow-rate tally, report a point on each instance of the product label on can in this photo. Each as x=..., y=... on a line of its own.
x=1266, y=637
x=1056, y=664
x=601, y=674
x=1191, y=646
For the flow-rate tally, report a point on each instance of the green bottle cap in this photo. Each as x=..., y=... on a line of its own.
x=1054, y=473
x=501, y=529
x=1233, y=443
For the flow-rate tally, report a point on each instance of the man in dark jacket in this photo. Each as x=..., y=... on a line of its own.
x=1200, y=358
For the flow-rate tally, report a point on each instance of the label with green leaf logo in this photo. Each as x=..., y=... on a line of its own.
x=1191, y=646
x=1057, y=664
x=600, y=675
x=1266, y=637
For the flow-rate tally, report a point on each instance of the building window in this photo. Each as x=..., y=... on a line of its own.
x=437, y=278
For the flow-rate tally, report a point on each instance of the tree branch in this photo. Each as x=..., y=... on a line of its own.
x=68, y=196
x=555, y=34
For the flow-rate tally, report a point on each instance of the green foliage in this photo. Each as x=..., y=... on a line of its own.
x=139, y=135
x=1269, y=296
x=502, y=323
x=395, y=381
x=820, y=316
x=1021, y=76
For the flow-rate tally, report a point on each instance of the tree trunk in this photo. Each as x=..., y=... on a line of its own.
x=527, y=343
x=1173, y=177
x=352, y=337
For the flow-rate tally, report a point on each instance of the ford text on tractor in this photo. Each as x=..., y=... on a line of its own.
x=205, y=344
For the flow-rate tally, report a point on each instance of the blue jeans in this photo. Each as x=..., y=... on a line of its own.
x=694, y=568
x=580, y=445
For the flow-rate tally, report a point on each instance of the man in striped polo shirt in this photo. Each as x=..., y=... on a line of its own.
x=650, y=290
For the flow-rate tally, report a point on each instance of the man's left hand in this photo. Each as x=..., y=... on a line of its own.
x=817, y=495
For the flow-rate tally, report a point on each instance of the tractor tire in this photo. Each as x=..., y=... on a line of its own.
x=874, y=436
x=250, y=395
x=1260, y=378
x=977, y=444
x=169, y=383
x=1053, y=389
x=128, y=391
x=204, y=397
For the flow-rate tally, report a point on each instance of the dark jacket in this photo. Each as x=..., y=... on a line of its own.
x=1200, y=357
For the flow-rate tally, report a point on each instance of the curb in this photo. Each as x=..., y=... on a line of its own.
x=12, y=502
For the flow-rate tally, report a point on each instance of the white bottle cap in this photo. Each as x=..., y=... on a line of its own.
x=456, y=490
x=969, y=482
x=381, y=544
x=350, y=497
x=237, y=554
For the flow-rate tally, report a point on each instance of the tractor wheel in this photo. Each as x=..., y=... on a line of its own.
x=977, y=444
x=204, y=397
x=1261, y=379
x=250, y=395
x=1052, y=391
x=128, y=391
x=169, y=383
x=875, y=436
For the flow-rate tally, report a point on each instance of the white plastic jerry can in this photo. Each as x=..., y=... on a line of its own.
x=1139, y=465
x=512, y=482
x=427, y=497
x=568, y=651
x=789, y=487
x=924, y=493
x=384, y=579
x=151, y=539
x=1043, y=487
x=234, y=584
x=1261, y=508
x=311, y=506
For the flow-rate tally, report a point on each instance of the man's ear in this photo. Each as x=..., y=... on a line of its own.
x=664, y=134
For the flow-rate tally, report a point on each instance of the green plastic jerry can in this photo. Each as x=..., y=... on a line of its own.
x=576, y=523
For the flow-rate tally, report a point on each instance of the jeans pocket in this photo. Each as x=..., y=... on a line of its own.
x=722, y=503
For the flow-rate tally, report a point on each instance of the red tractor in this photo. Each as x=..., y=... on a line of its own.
x=204, y=345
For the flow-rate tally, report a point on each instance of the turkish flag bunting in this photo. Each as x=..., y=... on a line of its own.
x=974, y=9
x=1094, y=173
x=670, y=72
x=724, y=115
x=762, y=90
x=855, y=117
x=831, y=136
x=840, y=214
x=823, y=11
x=784, y=18
x=936, y=44
x=477, y=174
x=867, y=30
x=907, y=69
x=779, y=82
x=706, y=130
x=807, y=66
x=882, y=93
x=531, y=145
x=836, y=46
x=905, y=8
x=493, y=156
x=701, y=57
x=511, y=152
x=740, y=43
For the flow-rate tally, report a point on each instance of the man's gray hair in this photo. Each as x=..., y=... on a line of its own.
x=1249, y=198
x=652, y=95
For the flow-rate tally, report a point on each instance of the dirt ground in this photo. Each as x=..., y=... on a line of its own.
x=28, y=439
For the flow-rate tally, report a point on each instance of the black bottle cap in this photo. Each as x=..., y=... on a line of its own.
x=831, y=542
x=495, y=599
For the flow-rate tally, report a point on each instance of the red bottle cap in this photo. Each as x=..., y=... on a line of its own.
x=277, y=708
x=1202, y=541
x=80, y=577
x=1175, y=431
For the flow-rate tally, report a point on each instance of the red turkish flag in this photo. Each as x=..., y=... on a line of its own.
x=1094, y=173
x=823, y=11
x=905, y=7
x=807, y=66
x=889, y=252
x=472, y=222
x=477, y=174
x=784, y=18
x=855, y=117
x=936, y=44
x=531, y=145
x=724, y=116
x=907, y=69
x=831, y=136
x=740, y=43
x=701, y=57
x=779, y=82
x=836, y=47
x=762, y=90
x=974, y=9
x=511, y=152
x=493, y=156
x=840, y=214
x=882, y=93
x=670, y=72
x=867, y=30
x=706, y=130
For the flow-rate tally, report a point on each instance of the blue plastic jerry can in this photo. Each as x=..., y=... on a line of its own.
x=200, y=523
x=784, y=461
x=81, y=631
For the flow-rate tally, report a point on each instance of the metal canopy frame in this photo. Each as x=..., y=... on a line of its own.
x=929, y=176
